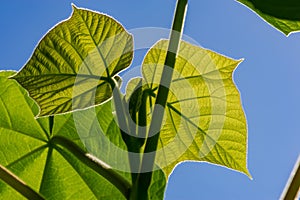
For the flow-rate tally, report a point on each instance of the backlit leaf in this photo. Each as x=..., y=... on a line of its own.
x=73, y=65
x=204, y=119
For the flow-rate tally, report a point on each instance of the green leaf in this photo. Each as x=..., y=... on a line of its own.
x=73, y=65
x=204, y=119
x=29, y=151
x=288, y=9
x=283, y=15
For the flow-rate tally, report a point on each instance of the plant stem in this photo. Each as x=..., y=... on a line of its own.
x=98, y=166
x=144, y=179
x=130, y=141
x=18, y=184
x=293, y=186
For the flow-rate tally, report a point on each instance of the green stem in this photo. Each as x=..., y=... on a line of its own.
x=142, y=123
x=120, y=111
x=144, y=179
x=98, y=166
x=16, y=183
x=130, y=140
x=142, y=117
x=293, y=187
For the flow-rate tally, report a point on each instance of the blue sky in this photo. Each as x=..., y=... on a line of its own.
x=268, y=80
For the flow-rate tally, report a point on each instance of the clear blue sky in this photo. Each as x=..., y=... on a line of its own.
x=268, y=80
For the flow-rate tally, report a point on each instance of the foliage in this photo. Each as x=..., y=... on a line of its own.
x=85, y=50
x=204, y=116
x=40, y=155
x=67, y=132
x=283, y=15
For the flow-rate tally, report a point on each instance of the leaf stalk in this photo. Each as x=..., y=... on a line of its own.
x=16, y=183
x=98, y=166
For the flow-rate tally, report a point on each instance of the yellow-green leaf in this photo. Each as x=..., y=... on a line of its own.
x=204, y=119
x=73, y=65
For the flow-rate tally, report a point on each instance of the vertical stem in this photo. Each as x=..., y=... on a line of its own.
x=130, y=141
x=142, y=118
x=18, y=184
x=144, y=179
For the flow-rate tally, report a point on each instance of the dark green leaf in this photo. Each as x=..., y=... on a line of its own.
x=282, y=14
x=287, y=9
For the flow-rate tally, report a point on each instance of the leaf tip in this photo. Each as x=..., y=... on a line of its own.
x=74, y=6
x=288, y=33
x=239, y=61
x=246, y=172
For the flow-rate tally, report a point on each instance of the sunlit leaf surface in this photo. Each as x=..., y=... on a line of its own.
x=73, y=65
x=204, y=119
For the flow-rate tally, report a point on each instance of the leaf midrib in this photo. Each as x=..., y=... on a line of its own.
x=96, y=46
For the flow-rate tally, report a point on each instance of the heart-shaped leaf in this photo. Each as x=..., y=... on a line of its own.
x=74, y=64
x=283, y=15
x=204, y=119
